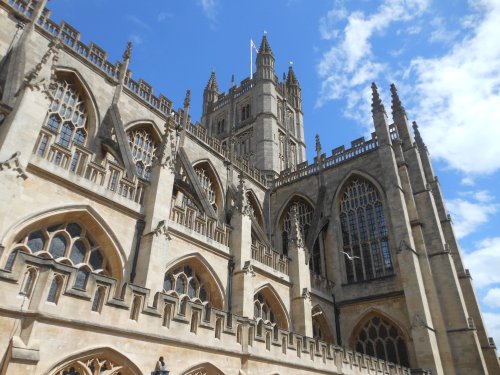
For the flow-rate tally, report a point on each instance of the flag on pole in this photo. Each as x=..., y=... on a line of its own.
x=252, y=45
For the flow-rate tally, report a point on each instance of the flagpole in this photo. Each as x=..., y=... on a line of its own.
x=251, y=59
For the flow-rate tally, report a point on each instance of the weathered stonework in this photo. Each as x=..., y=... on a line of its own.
x=128, y=233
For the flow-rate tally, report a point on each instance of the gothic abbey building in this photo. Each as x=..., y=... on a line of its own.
x=128, y=233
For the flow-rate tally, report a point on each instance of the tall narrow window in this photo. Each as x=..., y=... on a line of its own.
x=98, y=300
x=28, y=282
x=143, y=149
x=55, y=289
x=365, y=239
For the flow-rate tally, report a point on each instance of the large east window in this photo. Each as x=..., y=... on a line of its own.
x=366, y=250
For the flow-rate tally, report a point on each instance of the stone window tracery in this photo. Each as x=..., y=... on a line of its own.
x=185, y=281
x=380, y=338
x=143, y=149
x=68, y=243
x=262, y=309
x=364, y=233
x=206, y=184
x=67, y=114
x=95, y=366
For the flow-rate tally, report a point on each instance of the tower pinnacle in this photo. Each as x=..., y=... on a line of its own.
x=397, y=107
x=377, y=106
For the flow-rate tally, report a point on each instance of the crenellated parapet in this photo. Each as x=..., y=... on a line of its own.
x=340, y=155
x=132, y=310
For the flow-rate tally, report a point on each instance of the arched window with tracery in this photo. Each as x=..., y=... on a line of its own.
x=143, y=148
x=380, y=338
x=97, y=363
x=364, y=232
x=68, y=243
x=66, y=125
x=206, y=185
x=185, y=281
x=304, y=214
x=262, y=309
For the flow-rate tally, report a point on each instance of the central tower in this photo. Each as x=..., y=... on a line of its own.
x=260, y=120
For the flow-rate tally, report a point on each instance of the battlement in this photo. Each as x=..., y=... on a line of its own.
x=340, y=155
x=133, y=310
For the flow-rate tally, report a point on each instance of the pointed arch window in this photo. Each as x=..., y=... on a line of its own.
x=143, y=148
x=206, y=184
x=67, y=114
x=68, y=243
x=364, y=233
x=263, y=309
x=380, y=338
x=304, y=213
x=185, y=281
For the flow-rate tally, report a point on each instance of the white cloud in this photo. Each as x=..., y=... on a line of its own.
x=455, y=97
x=210, y=9
x=350, y=64
x=492, y=298
x=492, y=321
x=458, y=97
x=484, y=262
x=468, y=215
x=467, y=181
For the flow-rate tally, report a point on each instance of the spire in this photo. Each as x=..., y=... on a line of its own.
x=126, y=60
x=380, y=118
x=187, y=99
x=397, y=107
x=377, y=106
x=212, y=83
x=418, y=138
x=318, y=146
x=264, y=46
x=265, y=61
x=400, y=118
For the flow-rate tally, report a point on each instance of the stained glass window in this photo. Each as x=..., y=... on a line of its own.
x=364, y=233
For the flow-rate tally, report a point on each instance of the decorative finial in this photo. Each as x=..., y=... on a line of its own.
x=290, y=63
x=295, y=230
x=396, y=102
x=265, y=32
x=187, y=99
x=318, y=145
x=232, y=80
x=128, y=51
x=284, y=77
x=418, y=137
x=377, y=106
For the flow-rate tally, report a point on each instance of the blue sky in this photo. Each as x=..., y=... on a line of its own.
x=444, y=57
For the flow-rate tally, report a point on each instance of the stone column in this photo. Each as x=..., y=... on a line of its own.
x=152, y=252
x=241, y=246
x=301, y=279
x=423, y=334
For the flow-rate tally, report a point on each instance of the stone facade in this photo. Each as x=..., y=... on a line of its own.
x=128, y=233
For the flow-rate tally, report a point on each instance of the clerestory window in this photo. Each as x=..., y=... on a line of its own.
x=262, y=309
x=67, y=114
x=143, y=149
x=185, y=281
x=366, y=249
